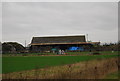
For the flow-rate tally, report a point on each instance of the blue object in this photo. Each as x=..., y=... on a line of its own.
x=75, y=48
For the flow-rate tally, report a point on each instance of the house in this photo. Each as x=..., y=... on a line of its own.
x=47, y=44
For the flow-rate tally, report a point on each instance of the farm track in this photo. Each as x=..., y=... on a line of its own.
x=93, y=69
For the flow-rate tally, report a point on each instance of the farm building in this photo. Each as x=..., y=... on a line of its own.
x=67, y=43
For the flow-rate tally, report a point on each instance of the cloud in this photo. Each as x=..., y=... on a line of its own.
x=0, y=22
x=23, y=20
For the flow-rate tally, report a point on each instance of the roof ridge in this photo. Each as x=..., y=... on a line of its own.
x=62, y=36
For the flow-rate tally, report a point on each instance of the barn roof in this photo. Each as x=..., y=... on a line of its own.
x=58, y=40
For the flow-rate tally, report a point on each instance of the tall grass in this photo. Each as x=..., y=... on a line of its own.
x=92, y=69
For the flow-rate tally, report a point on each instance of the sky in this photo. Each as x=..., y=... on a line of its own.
x=23, y=20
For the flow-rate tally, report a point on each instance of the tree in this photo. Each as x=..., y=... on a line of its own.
x=0, y=48
x=12, y=47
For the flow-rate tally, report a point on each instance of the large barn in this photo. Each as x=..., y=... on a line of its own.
x=67, y=43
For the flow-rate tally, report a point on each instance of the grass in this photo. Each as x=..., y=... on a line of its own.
x=0, y=64
x=21, y=63
x=87, y=52
x=28, y=54
x=80, y=70
x=68, y=53
x=114, y=75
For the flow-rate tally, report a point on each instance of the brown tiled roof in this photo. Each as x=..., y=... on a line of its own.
x=58, y=39
x=94, y=43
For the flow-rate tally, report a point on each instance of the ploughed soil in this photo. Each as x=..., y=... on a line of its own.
x=93, y=69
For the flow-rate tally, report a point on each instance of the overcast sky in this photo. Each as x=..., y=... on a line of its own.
x=23, y=20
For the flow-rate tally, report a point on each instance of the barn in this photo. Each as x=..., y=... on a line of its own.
x=67, y=43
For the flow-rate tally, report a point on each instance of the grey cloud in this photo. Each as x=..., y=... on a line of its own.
x=28, y=19
x=0, y=22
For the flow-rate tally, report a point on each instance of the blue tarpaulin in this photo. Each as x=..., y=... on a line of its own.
x=75, y=48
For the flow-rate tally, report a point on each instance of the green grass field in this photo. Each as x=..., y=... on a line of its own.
x=21, y=63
